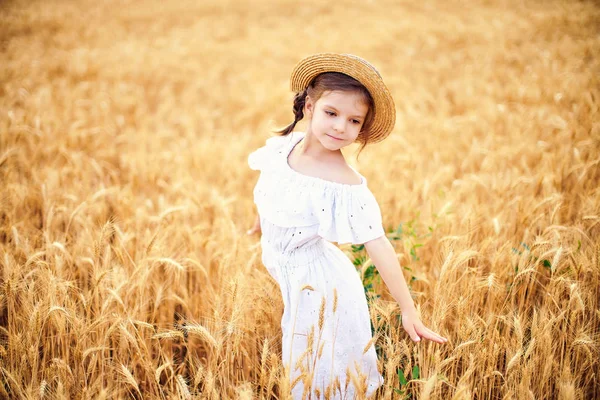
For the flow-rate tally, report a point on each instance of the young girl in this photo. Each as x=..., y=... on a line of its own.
x=307, y=196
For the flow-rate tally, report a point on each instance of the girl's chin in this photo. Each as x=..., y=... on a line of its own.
x=335, y=148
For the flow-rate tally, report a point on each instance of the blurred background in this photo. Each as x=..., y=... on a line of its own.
x=125, y=193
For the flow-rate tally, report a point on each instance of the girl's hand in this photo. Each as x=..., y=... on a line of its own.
x=416, y=330
x=255, y=228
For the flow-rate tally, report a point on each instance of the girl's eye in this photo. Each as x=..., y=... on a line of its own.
x=354, y=121
x=330, y=113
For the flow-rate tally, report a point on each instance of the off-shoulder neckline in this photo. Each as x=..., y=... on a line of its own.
x=296, y=138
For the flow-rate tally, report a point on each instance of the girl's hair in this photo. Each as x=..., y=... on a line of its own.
x=329, y=81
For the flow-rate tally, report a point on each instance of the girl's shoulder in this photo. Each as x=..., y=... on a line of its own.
x=341, y=174
x=345, y=174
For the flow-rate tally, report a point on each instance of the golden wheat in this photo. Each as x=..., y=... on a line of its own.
x=125, y=195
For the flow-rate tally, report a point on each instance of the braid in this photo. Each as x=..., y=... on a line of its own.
x=298, y=108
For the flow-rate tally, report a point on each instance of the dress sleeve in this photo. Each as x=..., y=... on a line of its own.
x=262, y=157
x=350, y=216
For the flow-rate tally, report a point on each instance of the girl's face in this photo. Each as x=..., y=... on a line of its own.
x=336, y=118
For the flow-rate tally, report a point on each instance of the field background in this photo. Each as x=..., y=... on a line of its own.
x=125, y=193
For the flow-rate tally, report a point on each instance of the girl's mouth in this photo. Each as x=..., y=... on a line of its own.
x=334, y=137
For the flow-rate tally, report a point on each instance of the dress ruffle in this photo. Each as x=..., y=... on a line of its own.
x=344, y=213
x=263, y=157
x=354, y=217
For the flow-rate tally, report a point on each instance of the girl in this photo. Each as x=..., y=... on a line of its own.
x=307, y=196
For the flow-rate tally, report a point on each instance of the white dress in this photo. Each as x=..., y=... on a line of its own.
x=299, y=216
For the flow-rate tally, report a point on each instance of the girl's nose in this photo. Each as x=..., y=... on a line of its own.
x=339, y=125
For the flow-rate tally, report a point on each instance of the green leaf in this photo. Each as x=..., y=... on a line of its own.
x=415, y=372
x=357, y=248
x=370, y=272
x=547, y=264
x=399, y=230
x=413, y=253
x=401, y=377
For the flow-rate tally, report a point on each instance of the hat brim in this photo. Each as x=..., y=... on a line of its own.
x=384, y=116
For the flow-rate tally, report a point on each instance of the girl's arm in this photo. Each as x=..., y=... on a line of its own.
x=384, y=257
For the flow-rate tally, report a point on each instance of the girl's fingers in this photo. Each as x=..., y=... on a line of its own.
x=440, y=339
x=413, y=334
x=437, y=339
x=431, y=335
x=438, y=335
x=417, y=330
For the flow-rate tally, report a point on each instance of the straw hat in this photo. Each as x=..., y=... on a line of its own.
x=385, y=112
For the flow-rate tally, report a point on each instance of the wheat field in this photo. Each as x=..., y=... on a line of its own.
x=125, y=194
